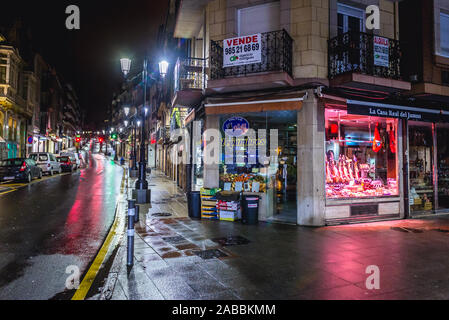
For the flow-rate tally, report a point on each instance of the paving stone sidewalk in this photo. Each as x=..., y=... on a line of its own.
x=178, y=258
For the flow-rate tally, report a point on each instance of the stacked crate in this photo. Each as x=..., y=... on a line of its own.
x=229, y=210
x=209, y=204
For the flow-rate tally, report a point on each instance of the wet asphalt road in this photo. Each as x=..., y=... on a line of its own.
x=50, y=225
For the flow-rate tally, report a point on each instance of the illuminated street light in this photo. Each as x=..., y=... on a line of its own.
x=126, y=123
x=126, y=109
x=163, y=68
x=126, y=65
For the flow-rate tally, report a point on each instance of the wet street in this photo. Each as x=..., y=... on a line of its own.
x=55, y=223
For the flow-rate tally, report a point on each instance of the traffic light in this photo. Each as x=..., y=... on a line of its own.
x=78, y=139
x=100, y=140
x=114, y=136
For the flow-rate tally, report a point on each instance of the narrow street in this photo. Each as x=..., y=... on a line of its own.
x=52, y=224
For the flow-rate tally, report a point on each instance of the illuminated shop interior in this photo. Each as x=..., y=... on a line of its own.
x=361, y=155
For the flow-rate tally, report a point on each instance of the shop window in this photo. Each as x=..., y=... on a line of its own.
x=361, y=156
x=421, y=153
x=275, y=182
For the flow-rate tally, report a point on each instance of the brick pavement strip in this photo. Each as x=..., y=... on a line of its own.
x=278, y=261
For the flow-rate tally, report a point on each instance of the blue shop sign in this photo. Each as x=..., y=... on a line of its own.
x=236, y=126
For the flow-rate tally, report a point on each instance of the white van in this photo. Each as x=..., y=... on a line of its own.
x=47, y=162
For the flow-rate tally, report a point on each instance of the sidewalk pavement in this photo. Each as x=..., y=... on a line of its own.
x=177, y=258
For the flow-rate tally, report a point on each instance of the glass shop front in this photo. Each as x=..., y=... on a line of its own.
x=241, y=170
x=365, y=153
x=361, y=156
x=429, y=167
x=361, y=165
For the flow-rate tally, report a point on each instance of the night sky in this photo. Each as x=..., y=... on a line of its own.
x=89, y=58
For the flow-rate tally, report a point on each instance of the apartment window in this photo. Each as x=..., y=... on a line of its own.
x=350, y=19
x=259, y=19
x=444, y=34
x=3, y=74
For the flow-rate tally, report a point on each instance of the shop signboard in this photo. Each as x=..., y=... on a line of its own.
x=381, y=52
x=236, y=126
x=395, y=111
x=242, y=50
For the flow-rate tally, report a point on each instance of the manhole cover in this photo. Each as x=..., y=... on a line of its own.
x=231, y=241
x=161, y=214
x=174, y=240
x=210, y=254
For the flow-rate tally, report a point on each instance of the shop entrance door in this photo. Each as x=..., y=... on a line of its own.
x=421, y=169
x=286, y=177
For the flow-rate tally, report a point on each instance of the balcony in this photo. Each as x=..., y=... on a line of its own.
x=190, y=78
x=275, y=70
x=163, y=135
x=352, y=63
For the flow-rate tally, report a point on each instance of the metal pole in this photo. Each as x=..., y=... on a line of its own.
x=134, y=167
x=142, y=183
x=131, y=217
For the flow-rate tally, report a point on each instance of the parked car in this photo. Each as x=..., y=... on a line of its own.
x=47, y=161
x=73, y=157
x=66, y=163
x=19, y=169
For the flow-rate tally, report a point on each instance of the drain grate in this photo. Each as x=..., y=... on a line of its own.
x=210, y=254
x=159, y=202
x=231, y=241
x=174, y=240
x=161, y=214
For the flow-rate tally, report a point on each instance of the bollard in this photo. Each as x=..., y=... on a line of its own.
x=131, y=217
x=136, y=217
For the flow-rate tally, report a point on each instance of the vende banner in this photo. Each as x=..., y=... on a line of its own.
x=242, y=50
x=381, y=52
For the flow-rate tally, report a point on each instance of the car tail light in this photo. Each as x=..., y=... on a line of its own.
x=23, y=167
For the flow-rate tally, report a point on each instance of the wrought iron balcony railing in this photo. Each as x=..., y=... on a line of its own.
x=190, y=73
x=355, y=52
x=277, y=47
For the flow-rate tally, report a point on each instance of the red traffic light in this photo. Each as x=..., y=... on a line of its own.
x=78, y=139
x=100, y=140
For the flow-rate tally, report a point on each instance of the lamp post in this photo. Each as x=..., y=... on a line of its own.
x=142, y=183
x=142, y=193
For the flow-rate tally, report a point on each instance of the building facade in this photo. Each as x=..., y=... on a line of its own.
x=360, y=114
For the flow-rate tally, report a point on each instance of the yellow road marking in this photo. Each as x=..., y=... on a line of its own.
x=9, y=191
x=91, y=274
x=17, y=186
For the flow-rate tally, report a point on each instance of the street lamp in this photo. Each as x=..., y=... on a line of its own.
x=126, y=110
x=126, y=123
x=163, y=68
x=126, y=65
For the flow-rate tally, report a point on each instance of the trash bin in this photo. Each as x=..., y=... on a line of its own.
x=250, y=214
x=194, y=204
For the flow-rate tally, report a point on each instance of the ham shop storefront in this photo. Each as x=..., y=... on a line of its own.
x=384, y=161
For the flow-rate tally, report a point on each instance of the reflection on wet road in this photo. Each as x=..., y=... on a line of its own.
x=50, y=225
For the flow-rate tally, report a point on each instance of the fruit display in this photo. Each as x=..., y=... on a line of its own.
x=245, y=178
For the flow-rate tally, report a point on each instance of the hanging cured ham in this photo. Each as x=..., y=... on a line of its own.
x=377, y=141
x=392, y=137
